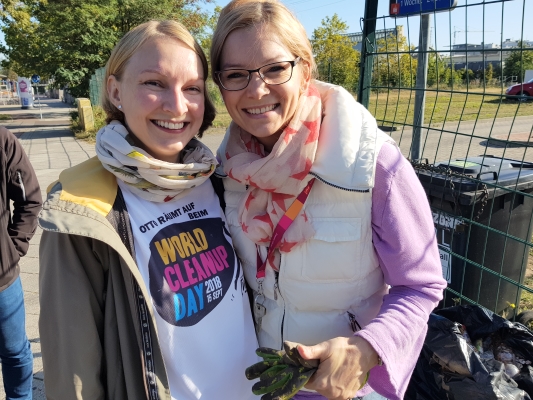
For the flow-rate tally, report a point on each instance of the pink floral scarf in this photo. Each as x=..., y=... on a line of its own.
x=276, y=179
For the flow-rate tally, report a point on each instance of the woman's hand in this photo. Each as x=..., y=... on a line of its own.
x=344, y=364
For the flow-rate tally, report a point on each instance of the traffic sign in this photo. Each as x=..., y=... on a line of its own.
x=35, y=78
x=403, y=8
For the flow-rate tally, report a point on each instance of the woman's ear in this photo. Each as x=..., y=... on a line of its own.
x=113, y=90
x=306, y=77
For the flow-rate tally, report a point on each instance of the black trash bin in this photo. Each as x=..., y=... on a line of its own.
x=505, y=215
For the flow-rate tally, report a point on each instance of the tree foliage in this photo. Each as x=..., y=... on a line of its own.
x=395, y=67
x=518, y=62
x=69, y=39
x=337, y=60
x=436, y=69
x=489, y=73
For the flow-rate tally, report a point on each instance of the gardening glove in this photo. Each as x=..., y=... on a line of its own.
x=282, y=373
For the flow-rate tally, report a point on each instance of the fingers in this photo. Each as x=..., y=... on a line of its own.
x=290, y=388
x=270, y=383
x=317, y=352
x=268, y=353
x=342, y=370
x=256, y=370
x=291, y=351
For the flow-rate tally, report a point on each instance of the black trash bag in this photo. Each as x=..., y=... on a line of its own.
x=449, y=368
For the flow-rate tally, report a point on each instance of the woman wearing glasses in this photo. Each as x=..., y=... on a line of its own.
x=325, y=213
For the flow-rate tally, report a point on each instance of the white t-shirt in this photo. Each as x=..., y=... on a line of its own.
x=198, y=295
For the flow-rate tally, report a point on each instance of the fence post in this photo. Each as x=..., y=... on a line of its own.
x=421, y=83
x=367, y=57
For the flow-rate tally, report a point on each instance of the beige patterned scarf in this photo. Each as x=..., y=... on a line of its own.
x=151, y=179
x=276, y=179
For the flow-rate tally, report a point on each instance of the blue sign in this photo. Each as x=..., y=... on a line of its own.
x=35, y=78
x=403, y=8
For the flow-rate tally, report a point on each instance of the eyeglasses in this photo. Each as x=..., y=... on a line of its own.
x=272, y=74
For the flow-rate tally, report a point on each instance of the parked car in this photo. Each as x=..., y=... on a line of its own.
x=520, y=92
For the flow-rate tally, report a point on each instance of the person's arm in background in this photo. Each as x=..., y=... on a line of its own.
x=23, y=189
x=404, y=240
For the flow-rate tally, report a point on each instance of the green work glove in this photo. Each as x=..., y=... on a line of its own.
x=281, y=373
x=285, y=384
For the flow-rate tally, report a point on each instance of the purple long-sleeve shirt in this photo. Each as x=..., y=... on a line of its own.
x=404, y=238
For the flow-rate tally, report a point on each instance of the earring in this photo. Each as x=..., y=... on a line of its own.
x=119, y=107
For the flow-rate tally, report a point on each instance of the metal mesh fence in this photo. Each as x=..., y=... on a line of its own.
x=95, y=86
x=466, y=134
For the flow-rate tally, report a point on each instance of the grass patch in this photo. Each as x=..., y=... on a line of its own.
x=5, y=117
x=442, y=105
x=223, y=119
x=396, y=106
x=526, y=300
x=87, y=135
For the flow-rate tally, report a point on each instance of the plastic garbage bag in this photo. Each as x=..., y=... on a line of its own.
x=471, y=353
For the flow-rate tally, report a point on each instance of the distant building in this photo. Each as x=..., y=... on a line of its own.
x=479, y=56
x=509, y=43
x=357, y=38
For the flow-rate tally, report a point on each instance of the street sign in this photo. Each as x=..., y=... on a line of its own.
x=403, y=8
x=35, y=78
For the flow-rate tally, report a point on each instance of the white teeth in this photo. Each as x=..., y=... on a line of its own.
x=261, y=110
x=169, y=125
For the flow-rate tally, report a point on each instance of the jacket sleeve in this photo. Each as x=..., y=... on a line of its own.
x=404, y=240
x=71, y=322
x=23, y=189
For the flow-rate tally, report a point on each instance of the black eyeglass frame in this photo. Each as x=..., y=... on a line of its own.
x=293, y=63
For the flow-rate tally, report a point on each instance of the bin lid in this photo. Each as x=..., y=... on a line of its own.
x=511, y=174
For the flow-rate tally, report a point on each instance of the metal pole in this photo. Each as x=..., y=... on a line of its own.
x=39, y=101
x=367, y=46
x=420, y=88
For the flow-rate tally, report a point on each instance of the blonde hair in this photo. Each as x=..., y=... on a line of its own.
x=131, y=42
x=241, y=14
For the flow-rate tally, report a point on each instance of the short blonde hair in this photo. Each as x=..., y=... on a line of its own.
x=241, y=14
x=131, y=42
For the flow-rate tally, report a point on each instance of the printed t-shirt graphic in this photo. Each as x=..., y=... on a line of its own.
x=191, y=268
x=197, y=292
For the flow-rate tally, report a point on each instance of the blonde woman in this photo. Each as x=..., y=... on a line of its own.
x=324, y=211
x=142, y=296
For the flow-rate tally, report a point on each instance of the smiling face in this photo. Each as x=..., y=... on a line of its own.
x=162, y=96
x=261, y=109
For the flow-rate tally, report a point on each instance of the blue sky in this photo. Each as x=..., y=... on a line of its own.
x=449, y=24
x=483, y=22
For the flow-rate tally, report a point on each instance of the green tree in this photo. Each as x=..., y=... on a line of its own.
x=453, y=77
x=394, y=65
x=437, y=66
x=11, y=74
x=489, y=74
x=204, y=37
x=467, y=75
x=518, y=61
x=70, y=39
x=337, y=60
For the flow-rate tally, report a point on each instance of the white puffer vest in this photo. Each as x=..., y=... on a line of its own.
x=332, y=284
